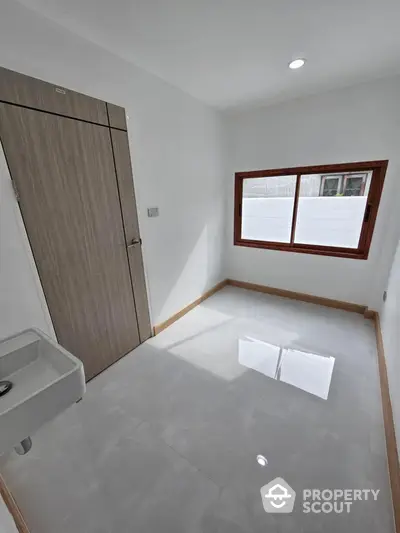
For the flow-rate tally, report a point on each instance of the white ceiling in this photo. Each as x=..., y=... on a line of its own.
x=231, y=53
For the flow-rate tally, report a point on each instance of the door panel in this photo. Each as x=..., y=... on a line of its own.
x=19, y=89
x=116, y=116
x=139, y=286
x=125, y=183
x=128, y=205
x=65, y=175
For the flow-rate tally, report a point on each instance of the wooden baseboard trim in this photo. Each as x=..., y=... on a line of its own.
x=369, y=314
x=327, y=302
x=13, y=508
x=391, y=444
x=309, y=298
x=160, y=327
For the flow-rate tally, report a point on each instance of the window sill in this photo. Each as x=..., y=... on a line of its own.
x=346, y=253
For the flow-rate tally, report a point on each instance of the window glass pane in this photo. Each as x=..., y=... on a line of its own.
x=356, y=184
x=330, y=186
x=267, y=208
x=333, y=219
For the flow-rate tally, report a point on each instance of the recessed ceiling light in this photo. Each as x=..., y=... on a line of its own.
x=297, y=63
x=261, y=460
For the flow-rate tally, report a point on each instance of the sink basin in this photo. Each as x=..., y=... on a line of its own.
x=46, y=379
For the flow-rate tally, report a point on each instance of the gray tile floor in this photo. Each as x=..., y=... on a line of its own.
x=166, y=440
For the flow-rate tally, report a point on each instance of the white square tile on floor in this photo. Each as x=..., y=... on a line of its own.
x=166, y=440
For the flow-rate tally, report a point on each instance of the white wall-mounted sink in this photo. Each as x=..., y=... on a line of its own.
x=46, y=379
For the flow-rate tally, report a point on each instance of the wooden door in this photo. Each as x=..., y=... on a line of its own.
x=65, y=175
x=25, y=91
x=131, y=225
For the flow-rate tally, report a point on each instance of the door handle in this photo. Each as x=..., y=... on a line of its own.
x=134, y=242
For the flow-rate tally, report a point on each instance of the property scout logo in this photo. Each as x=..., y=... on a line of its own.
x=279, y=497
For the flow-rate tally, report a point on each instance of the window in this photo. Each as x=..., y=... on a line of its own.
x=331, y=185
x=325, y=210
x=344, y=184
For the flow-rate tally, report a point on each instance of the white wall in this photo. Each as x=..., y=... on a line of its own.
x=176, y=149
x=7, y=524
x=390, y=322
x=355, y=124
x=22, y=302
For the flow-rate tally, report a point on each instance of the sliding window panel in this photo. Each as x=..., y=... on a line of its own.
x=331, y=209
x=267, y=208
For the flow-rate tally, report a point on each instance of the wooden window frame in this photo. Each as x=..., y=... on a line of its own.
x=378, y=169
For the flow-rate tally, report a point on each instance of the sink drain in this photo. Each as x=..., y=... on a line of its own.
x=5, y=386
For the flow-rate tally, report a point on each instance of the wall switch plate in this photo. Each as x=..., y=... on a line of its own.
x=152, y=212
